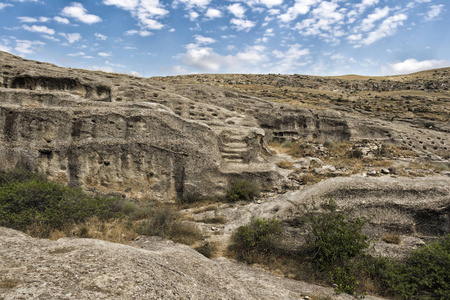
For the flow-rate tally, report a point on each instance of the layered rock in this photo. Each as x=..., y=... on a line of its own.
x=121, y=134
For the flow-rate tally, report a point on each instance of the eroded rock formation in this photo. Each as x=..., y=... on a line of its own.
x=164, y=139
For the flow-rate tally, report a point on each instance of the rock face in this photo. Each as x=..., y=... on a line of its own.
x=163, y=139
x=153, y=269
x=115, y=133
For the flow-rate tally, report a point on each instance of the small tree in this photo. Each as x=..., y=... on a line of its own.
x=333, y=240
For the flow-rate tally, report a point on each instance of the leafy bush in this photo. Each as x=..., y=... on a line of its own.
x=425, y=274
x=333, y=237
x=259, y=237
x=28, y=199
x=242, y=190
x=335, y=244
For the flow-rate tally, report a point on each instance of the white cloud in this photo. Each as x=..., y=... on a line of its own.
x=387, y=28
x=100, y=36
x=434, y=12
x=71, y=37
x=27, y=19
x=193, y=15
x=124, y=4
x=204, y=40
x=4, y=48
x=197, y=3
x=145, y=11
x=237, y=10
x=205, y=59
x=50, y=37
x=301, y=7
x=129, y=48
x=105, y=54
x=78, y=12
x=61, y=20
x=213, y=13
x=39, y=29
x=324, y=23
x=135, y=73
x=412, y=65
x=143, y=33
x=241, y=24
x=76, y=54
x=103, y=68
x=3, y=5
x=369, y=22
x=27, y=47
x=114, y=65
x=270, y=3
x=290, y=60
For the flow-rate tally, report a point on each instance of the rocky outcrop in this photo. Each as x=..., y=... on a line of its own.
x=72, y=268
x=166, y=139
x=121, y=134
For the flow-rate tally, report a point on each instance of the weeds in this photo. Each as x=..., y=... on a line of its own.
x=166, y=222
x=242, y=190
x=258, y=238
x=207, y=249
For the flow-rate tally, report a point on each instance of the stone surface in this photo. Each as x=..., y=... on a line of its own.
x=153, y=269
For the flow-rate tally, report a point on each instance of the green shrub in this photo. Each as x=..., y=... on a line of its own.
x=242, y=190
x=258, y=238
x=425, y=274
x=333, y=237
x=29, y=199
x=335, y=244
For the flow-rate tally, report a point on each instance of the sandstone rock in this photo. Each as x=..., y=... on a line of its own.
x=154, y=268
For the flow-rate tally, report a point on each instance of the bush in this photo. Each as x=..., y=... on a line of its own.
x=165, y=222
x=425, y=274
x=259, y=237
x=28, y=199
x=207, y=249
x=335, y=244
x=242, y=190
x=333, y=237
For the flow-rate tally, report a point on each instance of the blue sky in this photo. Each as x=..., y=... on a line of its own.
x=171, y=37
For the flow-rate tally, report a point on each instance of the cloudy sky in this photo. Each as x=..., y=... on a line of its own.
x=170, y=37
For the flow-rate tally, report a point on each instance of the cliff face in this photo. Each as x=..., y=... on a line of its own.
x=120, y=134
x=173, y=137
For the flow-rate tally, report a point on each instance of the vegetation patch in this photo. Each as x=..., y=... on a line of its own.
x=259, y=238
x=242, y=190
x=207, y=249
x=29, y=202
x=165, y=221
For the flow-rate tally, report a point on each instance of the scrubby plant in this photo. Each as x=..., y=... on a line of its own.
x=333, y=240
x=258, y=238
x=28, y=200
x=207, y=249
x=165, y=221
x=333, y=236
x=425, y=274
x=242, y=190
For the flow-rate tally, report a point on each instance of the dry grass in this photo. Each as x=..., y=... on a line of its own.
x=285, y=164
x=215, y=220
x=8, y=283
x=116, y=231
x=392, y=239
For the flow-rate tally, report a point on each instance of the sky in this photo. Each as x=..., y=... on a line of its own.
x=176, y=37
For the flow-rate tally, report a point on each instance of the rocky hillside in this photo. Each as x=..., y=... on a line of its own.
x=169, y=138
x=379, y=145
